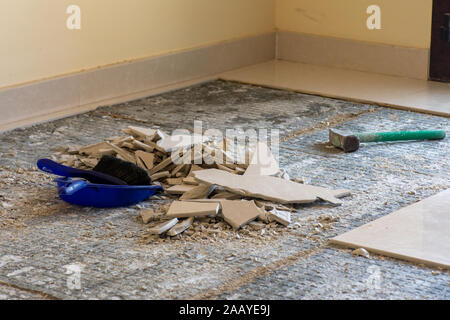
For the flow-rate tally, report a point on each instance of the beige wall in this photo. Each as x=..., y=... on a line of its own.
x=36, y=44
x=404, y=22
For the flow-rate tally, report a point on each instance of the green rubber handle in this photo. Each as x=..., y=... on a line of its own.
x=401, y=135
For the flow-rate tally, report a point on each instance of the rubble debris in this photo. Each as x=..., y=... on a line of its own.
x=263, y=216
x=226, y=195
x=93, y=149
x=141, y=132
x=181, y=227
x=147, y=158
x=160, y=175
x=163, y=227
x=283, y=217
x=175, y=181
x=269, y=188
x=184, y=209
x=163, y=164
x=193, y=169
x=179, y=189
x=198, y=192
x=239, y=212
x=208, y=179
x=148, y=215
x=123, y=153
x=361, y=252
x=176, y=142
x=190, y=180
x=263, y=162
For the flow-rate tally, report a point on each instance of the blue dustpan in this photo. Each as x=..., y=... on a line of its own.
x=83, y=193
x=103, y=191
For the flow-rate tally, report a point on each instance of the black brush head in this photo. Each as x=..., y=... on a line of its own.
x=129, y=172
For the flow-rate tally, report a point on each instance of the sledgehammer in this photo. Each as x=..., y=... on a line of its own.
x=349, y=142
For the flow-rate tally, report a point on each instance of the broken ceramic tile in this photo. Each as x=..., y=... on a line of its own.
x=174, y=181
x=91, y=149
x=184, y=209
x=181, y=227
x=146, y=157
x=163, y=164
x=160, y=175
x=262, y=162
x=161, y=228
x=239, y=212
x=176, y=142
x=140, y=145
x=179, y=189
x=361, y=252
x=226, y=195
x=282, y=217
x=141, y=132
x=190, y=180
x=127, y=156
x=267, y=187
x=148, y=215
x=198, y=192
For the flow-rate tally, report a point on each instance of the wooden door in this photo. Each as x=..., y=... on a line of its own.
x=440, y=41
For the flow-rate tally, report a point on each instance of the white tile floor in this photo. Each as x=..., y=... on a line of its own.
x=419, y=233
x=404, y=93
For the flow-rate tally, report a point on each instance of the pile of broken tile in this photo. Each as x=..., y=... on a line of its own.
x=211, y=183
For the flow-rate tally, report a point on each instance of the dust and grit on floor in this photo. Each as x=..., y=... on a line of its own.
x=44, y=241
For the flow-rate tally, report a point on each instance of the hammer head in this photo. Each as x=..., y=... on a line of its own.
x=344, y=140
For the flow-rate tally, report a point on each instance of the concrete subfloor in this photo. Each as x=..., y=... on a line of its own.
x=42, y=238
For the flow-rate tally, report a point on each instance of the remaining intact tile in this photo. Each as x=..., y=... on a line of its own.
x=160, y=229
x=184, y=209
x=418, y=233
x=181, y=227
x=179, y=189
x=239, y=212
x=398, y=92
x=269, y=188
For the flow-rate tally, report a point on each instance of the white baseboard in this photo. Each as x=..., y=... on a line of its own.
x=354, y=55
x=62, y=96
